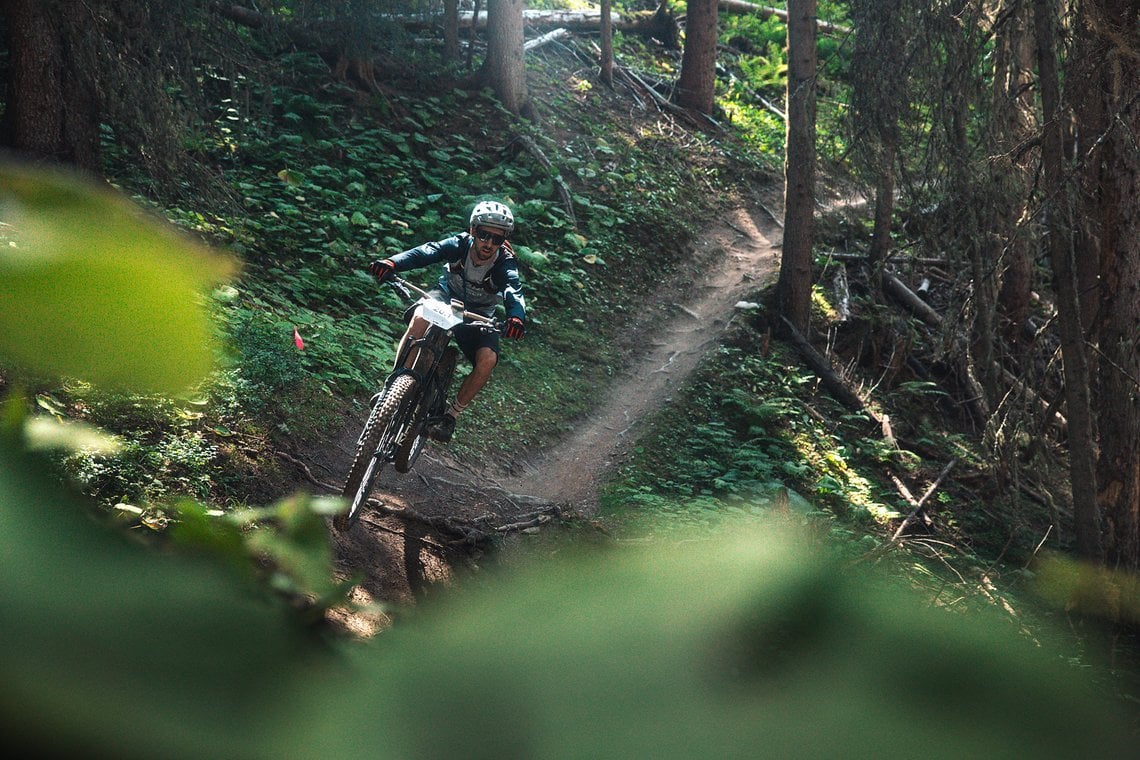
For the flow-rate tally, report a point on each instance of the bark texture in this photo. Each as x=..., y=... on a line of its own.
x=1104, y=77
x=52, y=109
x=1082, y=439
x=794, y=285
x=696, y=86
x=503, y=69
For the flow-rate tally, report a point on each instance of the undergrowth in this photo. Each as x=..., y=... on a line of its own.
x=315, y=183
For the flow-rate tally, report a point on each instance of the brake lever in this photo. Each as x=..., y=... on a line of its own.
x=398, y=285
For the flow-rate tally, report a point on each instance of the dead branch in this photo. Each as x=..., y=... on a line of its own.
x=469, y=532
x=919, y=511
x=540, y=518
x=563, y=190
x=542, y=39
x=862, y=257
x=895, y=287
x=465, y=531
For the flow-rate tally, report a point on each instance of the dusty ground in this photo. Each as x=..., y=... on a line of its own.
x=396, y=560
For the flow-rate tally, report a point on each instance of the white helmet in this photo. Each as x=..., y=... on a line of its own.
x=492, y=214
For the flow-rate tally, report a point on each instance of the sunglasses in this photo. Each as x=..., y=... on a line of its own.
x=483, y=236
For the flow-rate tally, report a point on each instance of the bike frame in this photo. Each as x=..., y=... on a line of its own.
x=421, y=356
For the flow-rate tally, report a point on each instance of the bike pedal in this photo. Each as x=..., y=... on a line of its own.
x=442, y=430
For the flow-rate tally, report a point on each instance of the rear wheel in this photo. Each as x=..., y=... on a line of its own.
x=374, y=447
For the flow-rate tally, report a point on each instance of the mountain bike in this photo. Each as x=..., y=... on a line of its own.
x=413, y=399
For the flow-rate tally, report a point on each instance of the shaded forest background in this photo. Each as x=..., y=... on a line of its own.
x=996, y=144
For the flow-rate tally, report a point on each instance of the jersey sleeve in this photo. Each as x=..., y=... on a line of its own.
x=511, y=287
x=447, y=249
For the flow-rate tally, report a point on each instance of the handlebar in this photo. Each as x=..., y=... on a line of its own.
x=403, y=287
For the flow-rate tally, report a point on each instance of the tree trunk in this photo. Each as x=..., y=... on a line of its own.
x=879, y=87
x=471, y=35
x=884, y=213
x=503, y=69
x=450, y=30
x=1104, y=78
x=1082, y=440
x=696, y=87
x=52, y=110
x=1015, y=123
x=607, y=64
x=794, y=284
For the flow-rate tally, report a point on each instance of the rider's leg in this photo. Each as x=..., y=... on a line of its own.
x=485, y=360
x=416, y=329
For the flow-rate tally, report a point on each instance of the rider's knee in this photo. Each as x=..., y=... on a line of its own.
x=486, y=359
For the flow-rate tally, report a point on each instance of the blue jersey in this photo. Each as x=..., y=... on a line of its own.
x=480, y=288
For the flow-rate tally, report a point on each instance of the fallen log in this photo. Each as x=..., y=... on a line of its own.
x=895, y=287
x=822, y=367
x=740, y=7
x=589, y=20
x=541, y=40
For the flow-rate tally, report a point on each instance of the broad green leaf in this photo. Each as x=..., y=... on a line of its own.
x=45, y=432
x=91, y=288
x=111, y=651
x=574, y=240
x=531, y=256
x=290, y=177
x=761, y=648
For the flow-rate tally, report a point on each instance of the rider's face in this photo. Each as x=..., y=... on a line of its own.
x=487, y=241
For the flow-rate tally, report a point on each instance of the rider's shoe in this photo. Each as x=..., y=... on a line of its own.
x=442, y=430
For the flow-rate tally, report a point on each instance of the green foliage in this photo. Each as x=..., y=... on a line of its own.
x=74, y=301
x=754, y=57
x=684, y=651
x=736, y=441
x=164, y=450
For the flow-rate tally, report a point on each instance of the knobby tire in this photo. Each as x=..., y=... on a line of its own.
x=374, y=447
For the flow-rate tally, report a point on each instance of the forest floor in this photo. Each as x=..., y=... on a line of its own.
x=395, y=560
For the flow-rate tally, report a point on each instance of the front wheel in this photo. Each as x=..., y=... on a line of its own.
x=374, y=447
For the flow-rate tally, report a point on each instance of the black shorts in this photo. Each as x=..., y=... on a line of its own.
x=468, y=337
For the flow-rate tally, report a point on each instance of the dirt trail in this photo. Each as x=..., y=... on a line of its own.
x=397, y=561
x=742, y=256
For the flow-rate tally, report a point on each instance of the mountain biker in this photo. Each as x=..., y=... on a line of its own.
x=480, y=270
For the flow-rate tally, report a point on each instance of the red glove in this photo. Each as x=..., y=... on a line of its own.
x=382, y=270
x=514, y=329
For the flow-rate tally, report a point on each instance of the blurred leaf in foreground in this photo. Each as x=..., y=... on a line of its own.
x=750, y=645
x=91, y=288
x=747, y=645
x=113, y=651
